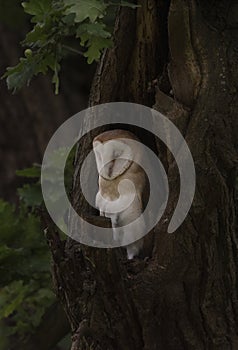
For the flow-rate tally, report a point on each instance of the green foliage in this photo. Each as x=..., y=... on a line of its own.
x=25, y=304
x=40, y=10
x=31, y=65
x=33, y=172
x=43, y=44
x=95, y=37
x=25, y=279
x=55, y=22
x=25, y=270
x=30, y=194
x=86, y=9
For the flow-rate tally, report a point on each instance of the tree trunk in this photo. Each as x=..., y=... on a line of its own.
x=185, y=296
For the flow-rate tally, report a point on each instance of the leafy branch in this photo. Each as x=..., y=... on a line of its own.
x=55, y=22
x=25, y=282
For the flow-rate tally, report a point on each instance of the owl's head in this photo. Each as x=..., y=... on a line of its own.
x=113, y=152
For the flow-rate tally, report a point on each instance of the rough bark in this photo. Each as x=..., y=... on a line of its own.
x=185, y=296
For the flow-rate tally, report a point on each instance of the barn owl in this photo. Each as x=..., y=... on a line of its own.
x=121, y=182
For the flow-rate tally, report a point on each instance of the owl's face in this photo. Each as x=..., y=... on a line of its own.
x=113, y=157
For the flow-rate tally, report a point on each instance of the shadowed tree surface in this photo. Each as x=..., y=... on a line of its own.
x=181, y=58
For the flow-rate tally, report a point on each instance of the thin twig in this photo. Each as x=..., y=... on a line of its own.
x=69, y=48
